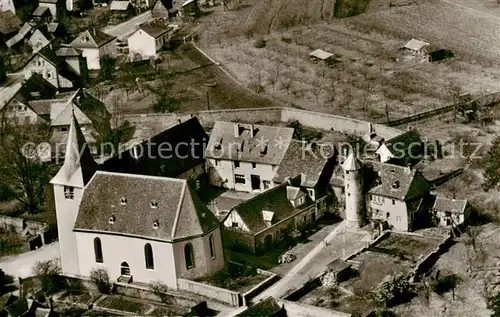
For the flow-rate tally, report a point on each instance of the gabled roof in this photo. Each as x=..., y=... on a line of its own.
x=18, y=308
x=41, y=107
x=52, y=27
x=306, y=159
x=48, y=54
x=25, y=29
x=274, y=200
x=400, y=145
x=416, y=45
x=118, y=5
x=62, y=111
x=79, y=166
x=66, y=51
x=178, y=212
x=450, y=205
x=401, y=183
x=164, y=162
x=40, y=11
x=91, y=39
x=9, y=22
x=294, y=192
x=234, y=141
x=9, y=92
x=187, y=2
x=154, y=31
x=319, y=53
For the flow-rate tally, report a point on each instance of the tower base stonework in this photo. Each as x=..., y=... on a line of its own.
x=352, y=223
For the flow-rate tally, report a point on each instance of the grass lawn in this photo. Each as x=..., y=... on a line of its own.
x=263, y=261
x=125, y=304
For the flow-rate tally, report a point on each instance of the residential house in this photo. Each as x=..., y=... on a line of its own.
x=9, y=25
x=120, y=5
x=417, y=49
x=46, y=63
x=245, y=157
x=147, y=41
x=176, y=152
x=161, y=9
x=42, y=14
x=406, y=148
x=95, y=44
x=74, y=59
x=7, y=5
x=120, y=10
x=15, y=99
x=52, y=5
x=396, y=197
x=451, y=212
x=264, y=220
x=161, y=232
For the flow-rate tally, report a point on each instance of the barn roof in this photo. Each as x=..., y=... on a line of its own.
x=319, y=53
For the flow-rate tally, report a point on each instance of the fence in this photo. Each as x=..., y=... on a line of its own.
x=223, y=295
x=426, y=263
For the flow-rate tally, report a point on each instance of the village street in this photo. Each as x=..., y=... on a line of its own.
x=126, y=28
x=339, y=243
x=21, y=265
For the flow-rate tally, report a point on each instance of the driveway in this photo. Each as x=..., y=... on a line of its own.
x=21, y=265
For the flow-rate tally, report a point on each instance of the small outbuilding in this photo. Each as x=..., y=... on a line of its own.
x=450, y=212
x=417, y=48
x=320, y=56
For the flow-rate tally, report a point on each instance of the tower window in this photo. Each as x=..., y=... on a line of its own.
x=347, y=172
x=212, y=246
x=154, y=204
x=393, y=202
x=189, y=256
x=123, y=200
x=254, y=165
x=69, y=192
x=236, y=164
x=112, y=219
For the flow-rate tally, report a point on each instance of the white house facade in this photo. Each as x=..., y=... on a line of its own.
x=148, y=41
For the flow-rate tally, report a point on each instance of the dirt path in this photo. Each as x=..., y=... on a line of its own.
x=21, y=265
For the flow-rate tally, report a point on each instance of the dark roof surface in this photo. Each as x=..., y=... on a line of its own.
x=267, y=145
x=274, y=200
x=402, y=183
x=41, y=107
x=450, y=205
x=40, y=11
x=94, y=39
x=179, y=213
x=155, y=31
x=9, y=22
x=303, y=158
x=18, y=308
x=400, y=145
x=162, y=161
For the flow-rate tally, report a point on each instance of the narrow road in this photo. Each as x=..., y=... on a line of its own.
x=126, y=28
x=472, y=9
x=21, y=265
x=339, y=243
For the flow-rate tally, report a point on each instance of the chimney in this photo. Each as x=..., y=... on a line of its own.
x=251, y=131
x=93, y=31
x=236, y=127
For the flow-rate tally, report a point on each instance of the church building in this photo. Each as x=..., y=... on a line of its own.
x=140, y=228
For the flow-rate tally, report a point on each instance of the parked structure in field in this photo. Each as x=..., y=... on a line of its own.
x=321, y=56
x=261, y=222
x=451, y=212
x=417, y=49
x=245, y=157
x=147, y=41
x=95, y=44
x=160, y=232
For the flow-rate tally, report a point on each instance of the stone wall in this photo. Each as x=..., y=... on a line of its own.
x=317, y=120
x=220, y=294
x=254, y=291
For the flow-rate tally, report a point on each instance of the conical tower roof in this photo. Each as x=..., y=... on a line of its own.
x=79, y=166
x=351, y=163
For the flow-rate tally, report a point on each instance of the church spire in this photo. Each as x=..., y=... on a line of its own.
x=79, y=166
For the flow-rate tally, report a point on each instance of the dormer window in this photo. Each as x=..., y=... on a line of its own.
x=395, y=185
x=154, y=204
x=112, y=219
x=264, y=151
x=156, y=224
x=85, y=39
x=123, y=200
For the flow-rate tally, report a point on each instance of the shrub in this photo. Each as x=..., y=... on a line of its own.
x=286, y=40
x=160, y=290
x=49, y=274
x=445, y=284
x=394, y=290
x=260, y=43
x=101, y=278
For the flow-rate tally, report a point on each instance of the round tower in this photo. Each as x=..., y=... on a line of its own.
x=353, y=182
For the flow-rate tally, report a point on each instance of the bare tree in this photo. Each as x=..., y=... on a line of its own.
x=256, y=80
x=387, y=112
x=331, y=96
x=346, y=97
x=316, y=90
x=455, y=91
x=364, y=102
x=286, y=82
x=274, y=75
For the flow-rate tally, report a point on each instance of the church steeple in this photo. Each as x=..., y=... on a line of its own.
x=79, y=166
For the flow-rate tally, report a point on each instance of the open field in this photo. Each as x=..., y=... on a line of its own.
x=366, y=82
